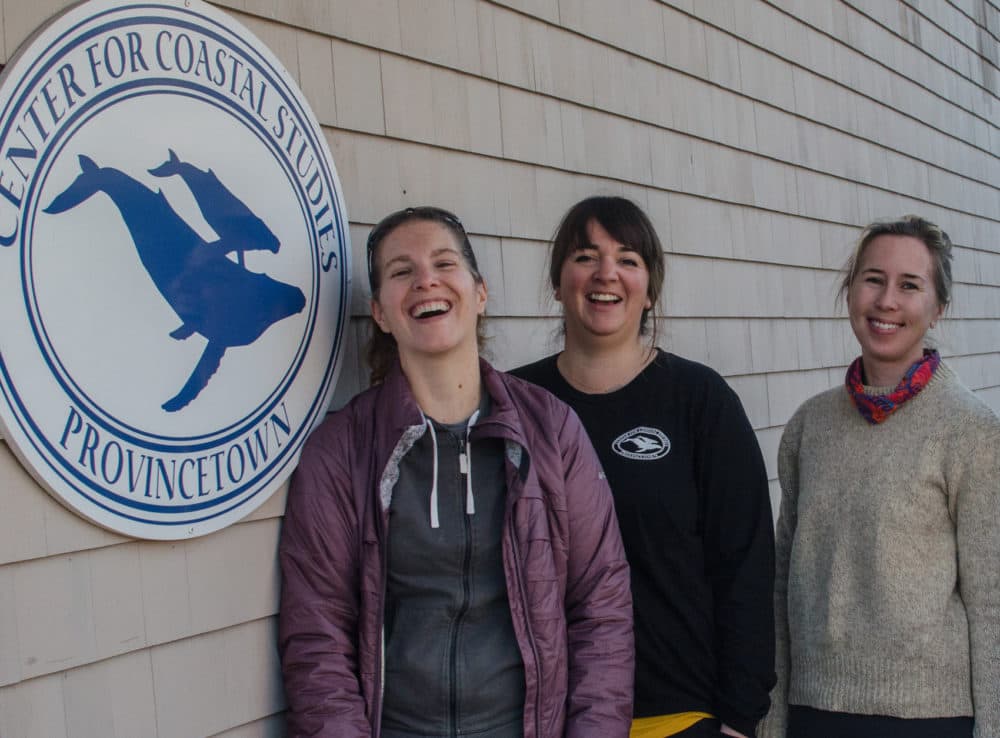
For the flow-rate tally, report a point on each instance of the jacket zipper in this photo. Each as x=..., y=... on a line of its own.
x=453, y=665
x=381, y=662
x=527, y=622
x=463, y=609
x=380, y=666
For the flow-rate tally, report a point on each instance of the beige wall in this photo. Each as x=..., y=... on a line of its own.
x=758, y=135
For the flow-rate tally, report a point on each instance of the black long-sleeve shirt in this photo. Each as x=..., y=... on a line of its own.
x=692, y=499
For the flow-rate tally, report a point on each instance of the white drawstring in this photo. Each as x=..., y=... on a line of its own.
x=435, y=522
x=465, y=466
x=470, y=501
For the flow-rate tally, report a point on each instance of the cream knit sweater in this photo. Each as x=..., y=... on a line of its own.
x=888, y=559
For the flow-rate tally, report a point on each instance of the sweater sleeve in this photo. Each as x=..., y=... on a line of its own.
x=976, y=485
x=601, y=653
x=320, y=596
x=775, y=723
x=739, y=555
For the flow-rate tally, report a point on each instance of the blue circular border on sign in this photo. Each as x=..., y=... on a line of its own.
x=305, y=130
x=62, y=376
x=281, y=461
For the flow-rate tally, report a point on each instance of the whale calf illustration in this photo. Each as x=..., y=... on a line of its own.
x=214, y=296
x=239, y=229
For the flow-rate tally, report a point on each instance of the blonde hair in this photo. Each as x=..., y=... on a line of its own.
x=938, y=245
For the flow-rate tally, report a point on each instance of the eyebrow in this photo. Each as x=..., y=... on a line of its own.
x=587, y=246
x=905, y=275
x=406, y=258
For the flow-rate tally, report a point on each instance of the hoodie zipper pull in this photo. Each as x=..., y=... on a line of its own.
x=465, y=466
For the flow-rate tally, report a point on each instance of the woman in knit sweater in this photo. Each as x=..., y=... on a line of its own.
x=888, y=544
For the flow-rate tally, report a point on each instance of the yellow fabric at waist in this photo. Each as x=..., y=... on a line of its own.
x=661, y=726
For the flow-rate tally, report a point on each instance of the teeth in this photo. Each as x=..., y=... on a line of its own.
x=603, y=297
x=883, y=326
x=426, y=308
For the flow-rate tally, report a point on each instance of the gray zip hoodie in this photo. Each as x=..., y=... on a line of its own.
x=453, y=667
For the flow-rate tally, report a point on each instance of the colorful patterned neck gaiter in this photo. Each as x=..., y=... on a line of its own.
x=876, y=408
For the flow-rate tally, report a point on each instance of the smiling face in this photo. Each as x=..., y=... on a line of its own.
x=892, y=302
x=603, y=287
x=428, y=299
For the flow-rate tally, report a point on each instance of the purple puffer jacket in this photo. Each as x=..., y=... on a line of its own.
x=567, y=578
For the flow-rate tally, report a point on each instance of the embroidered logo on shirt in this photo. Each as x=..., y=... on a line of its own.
x=642, y=444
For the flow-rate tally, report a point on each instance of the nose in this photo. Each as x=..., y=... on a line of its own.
x=887, y=298
x=424, y=277
x=607, y=269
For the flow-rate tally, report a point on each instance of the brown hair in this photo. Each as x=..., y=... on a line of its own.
x=626, y=223
x=938, y=245
x=381, y=350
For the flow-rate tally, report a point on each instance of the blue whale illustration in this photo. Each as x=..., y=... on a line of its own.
x=213, y=296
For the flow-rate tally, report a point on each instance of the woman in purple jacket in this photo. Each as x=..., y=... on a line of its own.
x=450, y=555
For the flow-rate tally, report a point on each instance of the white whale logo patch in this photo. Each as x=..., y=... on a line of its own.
x=642, y=444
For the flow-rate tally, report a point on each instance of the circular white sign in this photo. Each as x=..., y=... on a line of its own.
x=174, y=266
